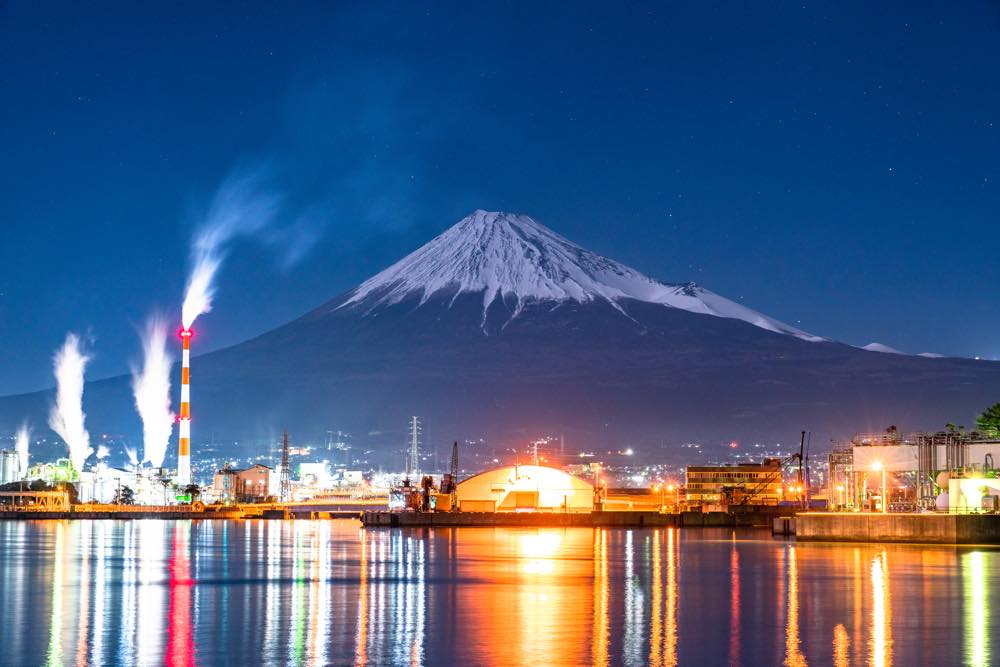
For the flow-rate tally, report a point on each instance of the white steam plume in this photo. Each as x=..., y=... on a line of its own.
x=133, y=457
x=241, y=207
x=102, y=452
x=151, y=389
x=66, y=417
x=21, y=442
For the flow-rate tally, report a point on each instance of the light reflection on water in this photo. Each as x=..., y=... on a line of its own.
x=328, y=592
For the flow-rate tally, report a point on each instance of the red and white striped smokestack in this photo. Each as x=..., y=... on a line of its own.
x=184, y=436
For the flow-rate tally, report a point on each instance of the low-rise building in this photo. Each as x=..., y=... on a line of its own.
x=752, y=483
x=524, y=488
x=253, y=484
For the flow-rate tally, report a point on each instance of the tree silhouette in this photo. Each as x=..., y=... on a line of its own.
x=124, y=496
x=989, y=421
x=192, y=490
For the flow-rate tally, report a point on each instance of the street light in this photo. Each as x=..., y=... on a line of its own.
x=877, y=466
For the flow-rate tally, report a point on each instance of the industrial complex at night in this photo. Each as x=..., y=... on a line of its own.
x=505, y=334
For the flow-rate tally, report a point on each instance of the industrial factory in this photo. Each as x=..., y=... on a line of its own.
x=950, y=470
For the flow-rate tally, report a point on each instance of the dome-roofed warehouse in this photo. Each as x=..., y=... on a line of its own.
x=524, y=488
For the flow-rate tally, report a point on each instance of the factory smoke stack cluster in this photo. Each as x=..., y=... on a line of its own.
x=244, y=206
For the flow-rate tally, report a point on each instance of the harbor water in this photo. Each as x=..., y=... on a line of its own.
x=154, y=592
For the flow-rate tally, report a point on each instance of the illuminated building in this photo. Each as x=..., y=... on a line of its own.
x=248, y=485
x=951, y=471
x=525, y=488
x=710, y=485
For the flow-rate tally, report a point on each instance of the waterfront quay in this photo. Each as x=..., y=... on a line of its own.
x=918, y=528
x=623, y=519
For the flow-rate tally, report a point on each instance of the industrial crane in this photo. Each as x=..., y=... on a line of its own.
x=787, y=461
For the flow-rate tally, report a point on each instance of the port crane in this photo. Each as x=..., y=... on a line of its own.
x=798, y=456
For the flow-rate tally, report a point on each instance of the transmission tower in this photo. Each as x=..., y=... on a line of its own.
x=413, y=459
x=285, y=490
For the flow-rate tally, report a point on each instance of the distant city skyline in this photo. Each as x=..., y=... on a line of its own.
x=831, y=167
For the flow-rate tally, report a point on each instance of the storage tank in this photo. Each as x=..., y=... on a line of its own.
x=8, y=466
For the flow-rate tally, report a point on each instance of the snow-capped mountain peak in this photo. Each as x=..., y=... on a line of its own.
x=880, y=347
x=512, y=256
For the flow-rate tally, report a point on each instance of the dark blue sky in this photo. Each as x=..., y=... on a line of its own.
x=834, y=166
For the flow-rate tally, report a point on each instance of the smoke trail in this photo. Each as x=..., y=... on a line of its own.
x=66, y=417
x=241, y=207
x=21, y=447
x=133, y=457
x=151, y=389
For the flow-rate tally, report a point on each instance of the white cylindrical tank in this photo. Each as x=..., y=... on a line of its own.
x=941, y=503
x=8, y=466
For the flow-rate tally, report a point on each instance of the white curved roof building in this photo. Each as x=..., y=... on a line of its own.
x=525, y=488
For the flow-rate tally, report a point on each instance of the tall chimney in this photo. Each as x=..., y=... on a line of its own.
x=184, y=439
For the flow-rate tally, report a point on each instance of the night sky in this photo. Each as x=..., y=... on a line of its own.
x=836, y=167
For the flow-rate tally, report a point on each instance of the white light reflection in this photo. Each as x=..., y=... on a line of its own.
x=538, y=551
x=296, y=644
x=83, y=583
x=320, y=609
x=101, y=590
x=975, y=587
x=129, y=588
x=54, y=656
x=632, y=646
x=151, y=550
x=272, y=594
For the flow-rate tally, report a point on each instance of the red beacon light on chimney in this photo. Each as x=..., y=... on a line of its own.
x=186, y=333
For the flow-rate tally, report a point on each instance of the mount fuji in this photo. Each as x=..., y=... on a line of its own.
x=501, y=328
x=515, y=259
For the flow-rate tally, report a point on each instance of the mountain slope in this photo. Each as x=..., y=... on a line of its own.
x=499, y=328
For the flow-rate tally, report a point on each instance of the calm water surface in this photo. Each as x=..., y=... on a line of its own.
x=327, y=592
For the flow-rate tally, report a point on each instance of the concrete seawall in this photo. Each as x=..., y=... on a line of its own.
x=165, y=513
x=916, y=528
x=627, y=519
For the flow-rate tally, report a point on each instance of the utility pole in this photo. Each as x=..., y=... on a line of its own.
x=285, y=489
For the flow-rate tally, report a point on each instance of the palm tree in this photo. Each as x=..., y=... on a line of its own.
x=192, y=490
